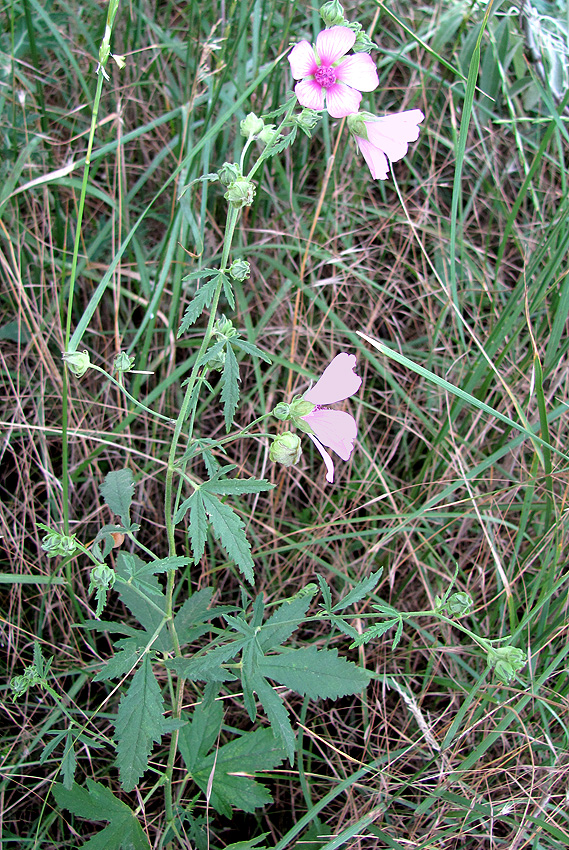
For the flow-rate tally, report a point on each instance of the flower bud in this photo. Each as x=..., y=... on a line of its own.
x=356, y=124
x=363, y=43
x=506, y=661
x=282, y=411
x=229, y=172
x=332, y=14
x=217, y=362
x=307, y=120
x=266, y=135
x=240, y=193
x=123, y=363
x=54, y=543
x=101, y=578
x=239, y=269
x=224, y=327
x=77, y=362
x=251, y=126
x=286, y=449
x=456, y=605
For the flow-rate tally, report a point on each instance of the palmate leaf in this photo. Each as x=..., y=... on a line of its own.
x=314, y=672
x=139, y=725
x=97, y=803
x=117, y=491
x=119, y=665
x=227, y=773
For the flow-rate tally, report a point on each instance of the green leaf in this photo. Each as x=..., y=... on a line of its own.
x=201, y=300
x=326, y=595
x=250, y=348
x=375, y=631
x=190, y=621
x=285, y=620
x=68, y=762
x=315, y=672
x=230, y=531
x=117, y=491
x=99, y=804
x=139, y=725
x=228, y=291
x=119, y=665
x=147, y=609
x=237, y=486
x=252, y=844
x=359, y=591
x=227, y=771
x=398, y=633
x=230, y=391
x=342, y=626
x=207, y=668
x=276, y=714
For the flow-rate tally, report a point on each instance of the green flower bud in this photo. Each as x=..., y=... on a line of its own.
x=506, y=661
x=77, y=362
x=456, y=605
x=300, y=407
x=282, y=411
x=217, y=362
x=240, y=193
x=356, y=124
x=19, y=686
x=286, y=449
x=55, y=543
x=332, y=14
x=101, y=578
x=229, y=172
x=266, y=135
x=123, y=363
x=363, y=43
x=307, y=120
x=251, y=126
x=224, y=327
x=239, y=269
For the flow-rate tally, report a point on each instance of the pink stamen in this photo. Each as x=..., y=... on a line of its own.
x=325, y=77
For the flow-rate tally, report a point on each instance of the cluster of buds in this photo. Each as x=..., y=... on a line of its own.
x=240, y=191
x=332, y=14
x=55, y=543
x=506, y=661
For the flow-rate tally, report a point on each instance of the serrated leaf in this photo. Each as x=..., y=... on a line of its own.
x=228, y=292
x=49, y=748
x=230, y=531
x=202, y=732
x=252, y=844
x=149, y=612
x=119, y=665
x=100, y=804
x=250, y=348
x=162, y=565
x=398, y=634
x=344, y=627
x=189, y=622
x=207, y=668
x=237, y=486
x=200, y=301
x=375, y=631
x=325, y=591
x=283, y=622
x=139, y=725
x=315, y=672
x=230, y=390
x=68, y=762
x=359, y=591
x=108, y=626
x=117, y=491
x=277, y=715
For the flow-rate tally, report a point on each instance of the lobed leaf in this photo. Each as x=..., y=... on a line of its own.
x=117, y=491
x=230, y=531
x=315, y=672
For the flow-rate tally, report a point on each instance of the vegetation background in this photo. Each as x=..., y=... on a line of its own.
x=458, y=262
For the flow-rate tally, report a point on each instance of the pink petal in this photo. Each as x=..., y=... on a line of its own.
x=337, y=382
x=334, y=43
x=302, y=60
x=326, y=458
x=310, y=94
x=342, y=100
x=375, y=158
x=393, y=133
x=335, y=429
x=358, y=71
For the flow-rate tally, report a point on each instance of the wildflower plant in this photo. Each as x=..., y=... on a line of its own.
x=181, y=654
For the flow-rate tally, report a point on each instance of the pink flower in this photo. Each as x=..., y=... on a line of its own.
x=384, y=140
x=333, y=428
x=324, y=76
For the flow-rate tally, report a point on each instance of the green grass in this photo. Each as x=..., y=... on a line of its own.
x=456, y=265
